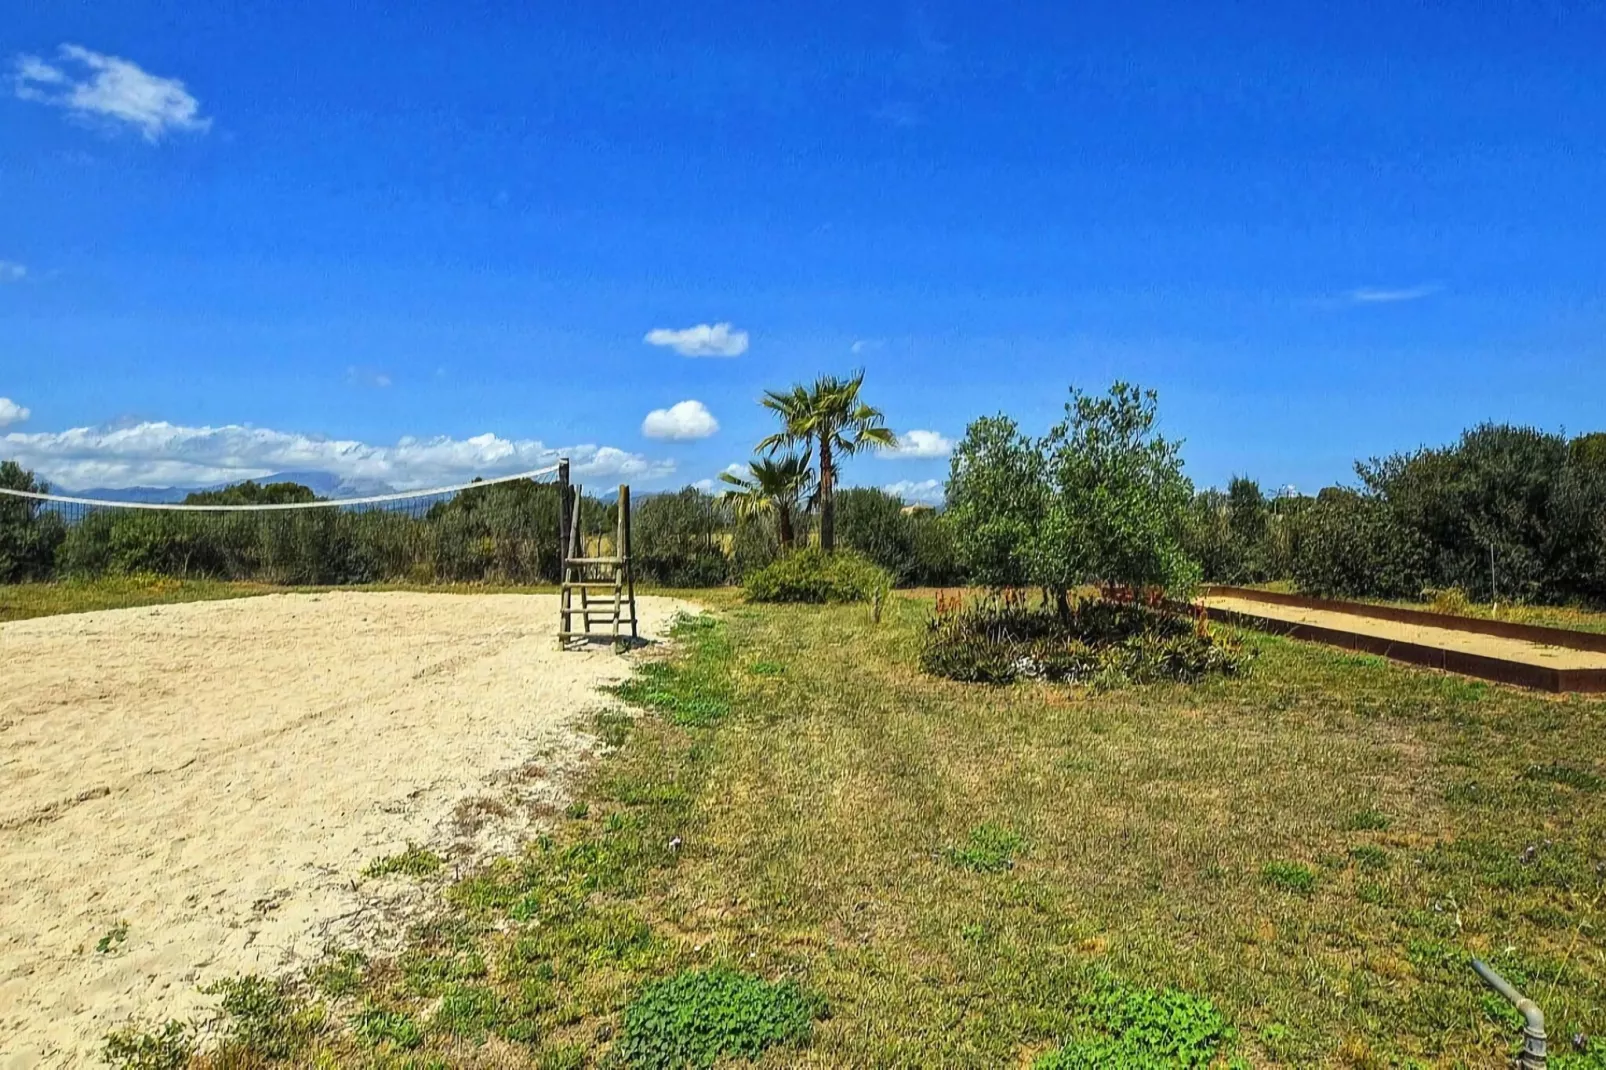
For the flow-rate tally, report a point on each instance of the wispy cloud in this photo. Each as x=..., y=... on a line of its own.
x=94, y=85
x=919, y=492
x=1372, y=295
x=685, y=421
x=866, y=345
x=370, y=377
x=12, y=413
x=915, y=445
x=703, y=340
x=11, y=271
x=165, y=454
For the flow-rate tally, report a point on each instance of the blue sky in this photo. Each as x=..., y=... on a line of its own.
x=412, y=244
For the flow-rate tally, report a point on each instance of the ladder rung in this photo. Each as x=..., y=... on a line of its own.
x=591, y=583
x=593, y=561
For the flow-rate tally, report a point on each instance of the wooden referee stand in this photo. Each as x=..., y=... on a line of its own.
x=606, y=606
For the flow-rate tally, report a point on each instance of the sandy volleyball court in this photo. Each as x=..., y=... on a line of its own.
x=211, y=779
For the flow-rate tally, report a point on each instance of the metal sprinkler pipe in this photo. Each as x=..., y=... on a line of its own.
x=1532, y=1056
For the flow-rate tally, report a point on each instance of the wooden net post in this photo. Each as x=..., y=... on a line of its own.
x=622, y=552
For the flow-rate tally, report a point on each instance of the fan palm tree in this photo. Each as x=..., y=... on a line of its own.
x=828, y=417
x=781, y=487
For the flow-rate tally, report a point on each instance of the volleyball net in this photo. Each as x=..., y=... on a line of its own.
x=501, y=530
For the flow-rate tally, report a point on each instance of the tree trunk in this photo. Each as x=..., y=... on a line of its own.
x=827, y=499
x=783, y=518
x=1062, y=603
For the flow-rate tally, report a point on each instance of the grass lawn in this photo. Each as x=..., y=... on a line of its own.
x=1291, y=869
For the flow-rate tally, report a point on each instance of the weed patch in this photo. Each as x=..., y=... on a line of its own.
x=264, y=1017
x=694, y=691
x=1369, y=858
x=989, y=849
x=169, y=1047
x=1368, y=820
x=381, y=1027
x=1572, y=777
x=1289, y=877
x=414, y=862
x=112, y=939
x=1142, y=1029
x=700, y=1016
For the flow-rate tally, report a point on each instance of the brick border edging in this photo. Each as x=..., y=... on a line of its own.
x=1533, y=633
x=1500, y=670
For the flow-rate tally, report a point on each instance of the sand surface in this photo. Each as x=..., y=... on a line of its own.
x=215, y=776
x=1493, y=646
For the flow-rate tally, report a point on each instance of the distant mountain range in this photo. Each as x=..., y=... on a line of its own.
x=323, y=484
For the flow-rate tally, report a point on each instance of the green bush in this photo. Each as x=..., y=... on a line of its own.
x=29, y=535
x=915, y=548
x=698, y=1017
x=1095, y=642
x=678, y=539
x=811, y=575
x=1354, y=545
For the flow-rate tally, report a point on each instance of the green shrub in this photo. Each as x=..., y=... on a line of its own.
x=698, y=1017
x=915, y=548
x=1354, y=545
x=29, y=535
x=1097, y=641
x=811, y=575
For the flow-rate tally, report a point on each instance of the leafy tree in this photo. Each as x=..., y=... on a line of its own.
x=29, y=533
x=996, y=498
x=1101, y=498
x=829, y=419
x=251, y=492
x=1246, y=510
x=1117, y=499
x=779, y=488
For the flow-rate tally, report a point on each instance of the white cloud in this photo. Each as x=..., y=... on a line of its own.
x=741, y=471
x=866, y=345
x=920, y=492
x=1375, y=296
x=918, y=445
x=164, y=454
x=107, y=87
x=12, y=413
x=11, y=271
x=682, y=422
x=703, y=340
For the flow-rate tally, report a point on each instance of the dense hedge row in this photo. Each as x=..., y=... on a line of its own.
x=1507, y=513
x=1534, y=501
